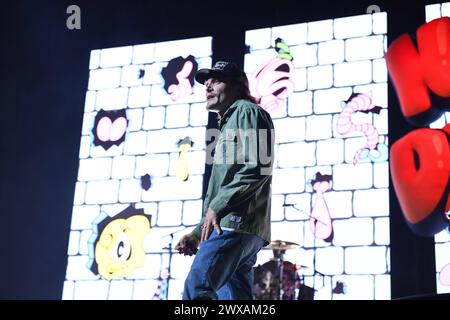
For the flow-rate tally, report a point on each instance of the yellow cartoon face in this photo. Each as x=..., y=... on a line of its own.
x=119, y=249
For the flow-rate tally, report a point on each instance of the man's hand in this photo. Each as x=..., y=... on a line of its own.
x=209, y=223
x=188, y=244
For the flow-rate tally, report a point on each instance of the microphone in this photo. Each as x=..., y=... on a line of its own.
x=293, y=205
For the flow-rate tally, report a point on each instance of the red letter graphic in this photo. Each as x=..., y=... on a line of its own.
x=415, y=72
x=420, y=167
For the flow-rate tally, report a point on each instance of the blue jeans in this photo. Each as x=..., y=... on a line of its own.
x=223, y=267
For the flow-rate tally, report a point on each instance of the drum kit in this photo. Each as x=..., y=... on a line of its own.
x=278, y=279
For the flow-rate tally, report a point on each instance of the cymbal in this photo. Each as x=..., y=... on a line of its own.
x=282, y=245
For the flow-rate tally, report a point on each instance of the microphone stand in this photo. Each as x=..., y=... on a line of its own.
x=314, y=244
x=170, y=264
x=169, y=247
x=278, y=257
x=281, y=268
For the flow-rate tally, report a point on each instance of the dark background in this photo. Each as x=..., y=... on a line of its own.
x=44, y=77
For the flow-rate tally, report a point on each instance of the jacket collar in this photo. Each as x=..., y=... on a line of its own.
x=227, y=114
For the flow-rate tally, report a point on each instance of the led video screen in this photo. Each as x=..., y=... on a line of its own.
x=325, y=85
x=141, y=167
x=442, y=239
x=142, y=162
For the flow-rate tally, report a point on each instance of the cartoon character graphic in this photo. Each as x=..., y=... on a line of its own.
x=110, y=128
x=320, y=219
x=362, y=102
x=163, y=282
x=178, y=76
x=444, y=275
x=270, y=83
x=115, y=247
x=182, y=170
x=340, y=288
x=146, y=182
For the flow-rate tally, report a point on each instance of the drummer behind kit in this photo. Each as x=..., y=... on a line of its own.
x=278, y=279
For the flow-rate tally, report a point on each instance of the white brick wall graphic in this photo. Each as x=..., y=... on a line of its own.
x=323, y=103
x=117, y=150
x=442, y=239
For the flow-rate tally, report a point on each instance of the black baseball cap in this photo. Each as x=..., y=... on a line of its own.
x=221, y=68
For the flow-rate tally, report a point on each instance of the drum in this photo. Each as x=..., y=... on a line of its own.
x=267, y=281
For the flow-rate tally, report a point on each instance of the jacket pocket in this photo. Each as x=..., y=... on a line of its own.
x=226, y=151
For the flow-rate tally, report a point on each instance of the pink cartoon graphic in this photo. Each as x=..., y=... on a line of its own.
x=270, y=83
x=109, y=128
x=179, y=77
x=320, y=219
x=163, y=283
x=362, y=102
x=444, y=275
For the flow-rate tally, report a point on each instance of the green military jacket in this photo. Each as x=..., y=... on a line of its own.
x=239, y=189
